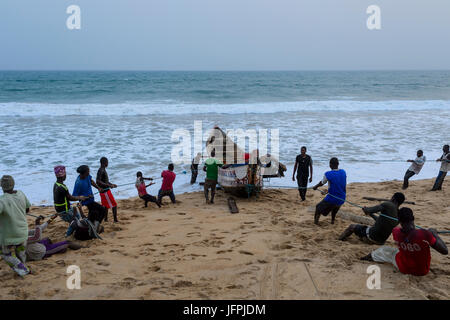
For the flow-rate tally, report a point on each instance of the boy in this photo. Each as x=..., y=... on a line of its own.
x=106, y=196
x=142, y=191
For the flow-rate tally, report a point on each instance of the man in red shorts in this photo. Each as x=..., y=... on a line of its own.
x=108, y=200
x=413, y=253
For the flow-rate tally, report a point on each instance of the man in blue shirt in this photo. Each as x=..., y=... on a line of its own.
x=83, y=187
x=337, y=190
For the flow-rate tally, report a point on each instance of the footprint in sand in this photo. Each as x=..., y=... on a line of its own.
x=183, y=283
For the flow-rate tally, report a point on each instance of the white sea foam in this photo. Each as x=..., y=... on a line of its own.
x=173, y=107
x=34, y=140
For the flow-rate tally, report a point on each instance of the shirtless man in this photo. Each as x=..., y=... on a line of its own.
x=106, y=196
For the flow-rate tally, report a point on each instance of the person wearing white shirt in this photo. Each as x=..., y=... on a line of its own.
x=416, y=166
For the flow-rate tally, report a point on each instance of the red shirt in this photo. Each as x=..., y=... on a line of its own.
x=142, y=190
x=414, y=256
x=168, y=179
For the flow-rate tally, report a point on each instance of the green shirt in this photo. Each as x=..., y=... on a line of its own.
x=13, y=219
x=212, y=168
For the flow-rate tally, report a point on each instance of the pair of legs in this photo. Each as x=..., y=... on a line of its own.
x=149, y=198
x=408, y=175
x=361, y=231
x=164, y=193
x=69, y=216
x=59, y=247
x=439, y=181
x=194, y=176
x=302, y=182
x=108, y=202
x=324, y=208
x=384, y=254
x=210, y=184
x=15, y=257
x=96, y=214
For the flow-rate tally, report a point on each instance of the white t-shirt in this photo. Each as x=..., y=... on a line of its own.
x=445, y=165
x=417, y=165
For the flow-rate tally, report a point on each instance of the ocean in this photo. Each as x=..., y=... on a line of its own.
x=372, y=121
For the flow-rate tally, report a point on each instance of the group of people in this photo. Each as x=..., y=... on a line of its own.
x=20, y=243
x=412, y=254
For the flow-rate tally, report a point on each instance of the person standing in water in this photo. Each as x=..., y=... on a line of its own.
x=337, y=190
x=416, y=166
x=106, y=196
x=445, y=167
x=303, y=167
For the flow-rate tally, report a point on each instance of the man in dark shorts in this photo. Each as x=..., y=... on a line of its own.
x=106, y=196
x=412, y=255
x=303, y=163
x=168, y=177
x=380, y=232
x=83, y=187
x=337, y=190
x=62, y=198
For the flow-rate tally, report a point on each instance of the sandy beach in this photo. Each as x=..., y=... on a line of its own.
x=270, y=250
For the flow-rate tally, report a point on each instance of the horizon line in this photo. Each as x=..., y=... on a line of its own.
x=218, y=70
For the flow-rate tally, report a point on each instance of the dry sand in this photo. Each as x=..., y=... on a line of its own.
x=270, y=250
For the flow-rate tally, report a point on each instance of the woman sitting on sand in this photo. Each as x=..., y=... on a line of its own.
x=39, y=248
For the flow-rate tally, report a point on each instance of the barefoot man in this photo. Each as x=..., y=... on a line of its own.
x=106, y=196
x=303, y=163
x=337, y=190
x=412, y=255
x=380, y=232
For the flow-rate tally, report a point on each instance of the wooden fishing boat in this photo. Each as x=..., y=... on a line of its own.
x=243, y=173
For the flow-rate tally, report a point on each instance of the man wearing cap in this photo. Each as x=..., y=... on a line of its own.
x=14, y=206
x=62, y=198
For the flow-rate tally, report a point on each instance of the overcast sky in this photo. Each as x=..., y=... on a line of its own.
x=224, y=35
